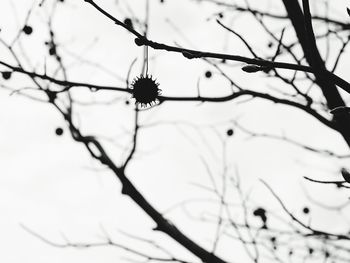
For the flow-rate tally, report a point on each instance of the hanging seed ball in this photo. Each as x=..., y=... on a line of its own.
x=27, y=30
x=306, y=210
x=59, y=131
x=229, y=132
x=6, y=75
x=145, y=91
x=208, y=74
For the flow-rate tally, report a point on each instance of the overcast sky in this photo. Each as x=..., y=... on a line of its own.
x=51, y=184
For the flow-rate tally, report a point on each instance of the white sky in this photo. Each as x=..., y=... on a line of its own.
x=50, y=183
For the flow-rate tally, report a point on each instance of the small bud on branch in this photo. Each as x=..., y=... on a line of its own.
x=252, y=68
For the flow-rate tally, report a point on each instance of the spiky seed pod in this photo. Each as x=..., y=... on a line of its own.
x=145, y=91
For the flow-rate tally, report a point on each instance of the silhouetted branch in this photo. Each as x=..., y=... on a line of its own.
x=337, y=183
x=108, y=243
x=188, y=53
x=312, y=231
